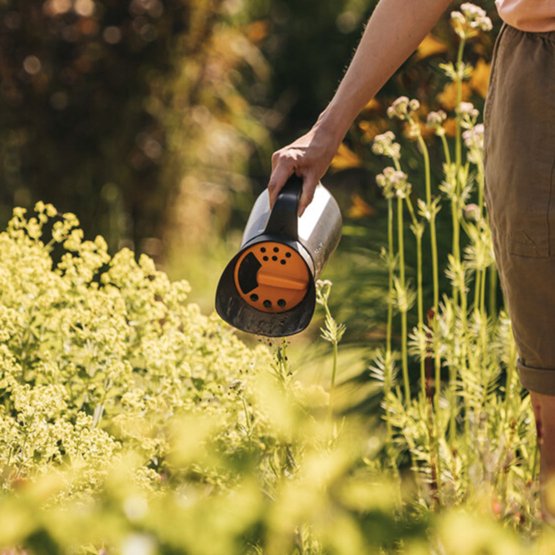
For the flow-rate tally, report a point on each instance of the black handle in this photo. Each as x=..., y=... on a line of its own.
x=283, y=219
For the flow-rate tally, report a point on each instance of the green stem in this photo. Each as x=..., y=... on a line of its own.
x=483, y=292
x=446, y=151
x=404, y=350
x=388, y=378
x=390, y=273
x=435, y=331
x=420, y=299
x=511, y=370
x=433, y=237
x=420, y=302
x=334, y=368
x=456, y=243
x=492, y=290
x=459, y=82
x=458, y=161
x=481, y=185
x=477, y=288
x=466, y=356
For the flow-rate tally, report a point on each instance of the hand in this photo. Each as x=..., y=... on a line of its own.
x=309, y=157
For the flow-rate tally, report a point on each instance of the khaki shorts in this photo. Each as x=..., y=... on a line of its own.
x=520, y=172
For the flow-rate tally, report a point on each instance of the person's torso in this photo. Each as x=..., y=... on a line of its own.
x=536, y=16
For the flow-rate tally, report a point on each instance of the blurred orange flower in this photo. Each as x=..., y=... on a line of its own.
x=372, y=105
x=450, y=126
x=257, y=31
x=430, y=46
x=345, y=159
x=448, y=96
x=371, y=128
x=480, y=77
x=359, y=208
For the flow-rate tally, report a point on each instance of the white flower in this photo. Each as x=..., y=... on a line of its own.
x=470, y=20
x=414, y=104
x=394, y=183
x=435, y=121
x=474, y=141
x=138, y=544
x=385, y=145
x=472, y=212
x=468, y=114
x=402, y=108
x=467, y=108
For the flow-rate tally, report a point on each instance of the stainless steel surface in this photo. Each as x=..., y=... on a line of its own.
x=319, y=227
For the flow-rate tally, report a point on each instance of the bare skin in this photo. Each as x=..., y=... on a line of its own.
x=393, y=32
x=544, y=413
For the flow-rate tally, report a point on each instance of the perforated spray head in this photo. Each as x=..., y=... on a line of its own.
x=272, y=277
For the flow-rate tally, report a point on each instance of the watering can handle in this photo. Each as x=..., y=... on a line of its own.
x=283, y=218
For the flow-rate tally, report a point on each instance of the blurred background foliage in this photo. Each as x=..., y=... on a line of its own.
x=154, y=121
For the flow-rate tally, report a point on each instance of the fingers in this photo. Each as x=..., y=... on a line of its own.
x=283, y=168
x=285, y=162
x=309, y=185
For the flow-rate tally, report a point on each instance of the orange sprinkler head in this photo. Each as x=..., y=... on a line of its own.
x=272, y=277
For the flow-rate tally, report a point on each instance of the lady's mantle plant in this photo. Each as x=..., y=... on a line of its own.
x=97, y=353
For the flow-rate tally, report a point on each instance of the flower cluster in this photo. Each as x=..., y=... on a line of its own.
x=99, y=352
x=435, y=121
x=468, y=114
x=402, y=108
x=385, y=145
x=469, y=20
x=394, y=183
x=474, y=141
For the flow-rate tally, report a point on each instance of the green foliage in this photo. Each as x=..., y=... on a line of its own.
x=462, y=425
x=107, y=106
x=99, y=352
x=130, y=419
x=131, y=422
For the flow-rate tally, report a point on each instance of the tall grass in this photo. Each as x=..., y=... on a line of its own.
x=465, y=427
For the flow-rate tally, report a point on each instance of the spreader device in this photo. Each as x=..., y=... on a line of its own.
x=269, y=287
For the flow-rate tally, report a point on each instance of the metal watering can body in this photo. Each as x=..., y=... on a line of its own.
x=269, y=287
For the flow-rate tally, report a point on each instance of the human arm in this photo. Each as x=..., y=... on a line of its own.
x=393, y=32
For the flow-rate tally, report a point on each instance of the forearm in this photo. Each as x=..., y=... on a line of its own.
x=393, y=32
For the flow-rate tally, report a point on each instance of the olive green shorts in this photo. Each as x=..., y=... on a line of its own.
x=520, y=172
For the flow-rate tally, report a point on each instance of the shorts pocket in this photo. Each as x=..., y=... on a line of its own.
x=528, y=228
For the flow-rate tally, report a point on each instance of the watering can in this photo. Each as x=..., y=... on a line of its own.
x=269, y=287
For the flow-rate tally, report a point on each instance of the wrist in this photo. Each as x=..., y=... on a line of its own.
x=332, y=125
